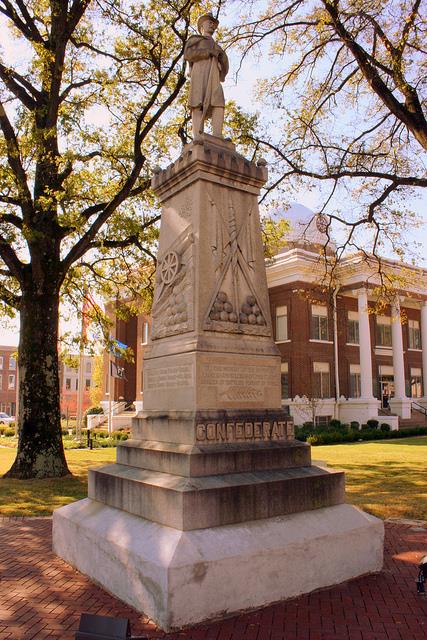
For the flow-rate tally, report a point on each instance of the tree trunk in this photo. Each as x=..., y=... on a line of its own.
x=40, y=450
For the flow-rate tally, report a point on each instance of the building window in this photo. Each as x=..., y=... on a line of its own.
x=416, y=383
x=87, y=384
x=284, y=379
x=281, y=324
x=11, y=381
x=145, y=330
x=12, y=363
x=383, y=331
x=353, y=327
x=414, y=334
x=77, y=384
x=1, y=362
x=1, y=383
x=322, y=420
x=319, y=322
x=354, y=381
x=321, y=380
x=88, y=367
x=68, y=383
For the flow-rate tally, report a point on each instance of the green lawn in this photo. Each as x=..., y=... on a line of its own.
x=41, y=497
x=386, y=478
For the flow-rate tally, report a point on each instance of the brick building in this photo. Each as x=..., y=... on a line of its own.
x=68, y=380
x=8, y=380
x=69, y=385
x=134, y=333
x=341, y=356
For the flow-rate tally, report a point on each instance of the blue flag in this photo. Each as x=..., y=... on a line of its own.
x=115, y=346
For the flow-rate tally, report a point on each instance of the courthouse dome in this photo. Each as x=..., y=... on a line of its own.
x=304, y=226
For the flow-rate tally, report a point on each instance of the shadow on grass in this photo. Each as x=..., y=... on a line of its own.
x=42, y=497
x=389, y=489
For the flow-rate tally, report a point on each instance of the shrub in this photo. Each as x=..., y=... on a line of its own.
x=335, y=424
x=333, y=437
x=9, y=431
x=384, y=427
x=99, y=433
x=94, y=410
x=354, y=425
x=372, y=424
x=120, y=436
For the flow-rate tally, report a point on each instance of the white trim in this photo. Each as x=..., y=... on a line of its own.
x=352, y=344
x=321, y=341
x=282, y=341
x=417, y=350
x=319, y=310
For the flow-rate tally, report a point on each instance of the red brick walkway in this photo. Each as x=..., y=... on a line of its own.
x=42, y=597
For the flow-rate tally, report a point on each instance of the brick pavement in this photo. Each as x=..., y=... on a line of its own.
x=42, y=597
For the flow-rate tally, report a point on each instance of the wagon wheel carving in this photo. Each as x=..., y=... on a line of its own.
x=169, y=267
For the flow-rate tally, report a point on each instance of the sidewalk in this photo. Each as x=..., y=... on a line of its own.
x=42, y=597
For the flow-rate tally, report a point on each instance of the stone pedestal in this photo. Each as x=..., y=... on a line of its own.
x=401, y=406
x=358, y=409
x=213, y=507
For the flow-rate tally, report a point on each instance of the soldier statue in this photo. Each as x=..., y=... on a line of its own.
x=208, y=68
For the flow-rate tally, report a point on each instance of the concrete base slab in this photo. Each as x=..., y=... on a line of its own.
x=180, y=578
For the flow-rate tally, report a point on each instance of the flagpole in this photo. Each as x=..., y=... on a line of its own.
x=79, y=412
x=79, y=415
x=110, y=429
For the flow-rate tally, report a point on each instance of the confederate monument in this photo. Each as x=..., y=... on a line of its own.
x=212, y=506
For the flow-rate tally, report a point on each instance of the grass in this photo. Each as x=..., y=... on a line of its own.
x=41, y=497
x=386, y=478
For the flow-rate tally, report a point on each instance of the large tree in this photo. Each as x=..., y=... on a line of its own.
x=84, y=88
x=350, y=84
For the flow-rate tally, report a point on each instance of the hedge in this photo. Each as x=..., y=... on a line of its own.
x=335, y=437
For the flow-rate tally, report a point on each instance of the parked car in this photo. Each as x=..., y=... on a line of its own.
x=5, y=419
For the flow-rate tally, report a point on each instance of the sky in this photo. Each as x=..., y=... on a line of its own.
x=242, y=91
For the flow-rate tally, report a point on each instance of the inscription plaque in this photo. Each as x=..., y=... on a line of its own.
x=237, y=383
x=174, y=377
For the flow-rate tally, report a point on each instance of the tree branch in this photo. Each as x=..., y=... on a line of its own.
x=11, y=79
x=410, y=113
x=9, y=298
x=14, y=160
x=27, y=26
x=11, y=260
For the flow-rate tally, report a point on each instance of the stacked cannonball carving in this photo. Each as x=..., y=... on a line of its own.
x=250, y=313
x=176, y=311
x=222, y=309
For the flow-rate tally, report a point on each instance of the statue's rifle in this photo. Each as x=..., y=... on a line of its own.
x=208, y=96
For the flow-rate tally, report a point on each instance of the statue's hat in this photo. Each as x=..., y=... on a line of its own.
x=203, y=18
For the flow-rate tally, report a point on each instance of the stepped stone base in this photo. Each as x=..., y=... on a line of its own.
x=199, y=460
x=198, y=503
x=180, y=578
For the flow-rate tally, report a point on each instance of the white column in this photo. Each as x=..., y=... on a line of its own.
x=364, y=345
x=397, y=344
x=424, y=345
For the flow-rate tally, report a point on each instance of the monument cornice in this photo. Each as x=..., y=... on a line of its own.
x=211, y=160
